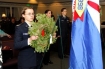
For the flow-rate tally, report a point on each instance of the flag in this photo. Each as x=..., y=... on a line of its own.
x=85, y=50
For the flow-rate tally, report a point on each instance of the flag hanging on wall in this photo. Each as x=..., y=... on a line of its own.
x=86, y=50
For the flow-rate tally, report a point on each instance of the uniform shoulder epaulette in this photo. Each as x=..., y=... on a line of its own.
x=18, y=25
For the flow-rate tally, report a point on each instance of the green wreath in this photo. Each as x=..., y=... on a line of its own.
x=43, y=28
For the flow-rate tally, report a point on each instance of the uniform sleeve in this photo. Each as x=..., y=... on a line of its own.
x=68, y=26
x=57, y=24
x=19, y=43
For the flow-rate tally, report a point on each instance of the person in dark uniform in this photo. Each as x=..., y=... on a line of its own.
x=13, y=23
x=46, y=59
x=28, y=58
x=62, y=33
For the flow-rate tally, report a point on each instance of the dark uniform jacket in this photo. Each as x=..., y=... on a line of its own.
x=27, y=56
x=63, y=26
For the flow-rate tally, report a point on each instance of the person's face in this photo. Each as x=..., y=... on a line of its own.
x=48, y=14
x=64, y=12
x=29, y=15
x=13, y=20
x=22, y=20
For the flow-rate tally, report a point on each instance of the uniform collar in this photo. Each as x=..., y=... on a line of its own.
x=63, y=16
x=28, y=24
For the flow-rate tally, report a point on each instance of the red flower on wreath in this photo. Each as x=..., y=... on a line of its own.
x=43, y=33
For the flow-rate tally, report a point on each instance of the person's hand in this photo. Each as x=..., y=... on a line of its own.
x=58, y=36
x=9, y=36
x=33, y=38
x=54, y=35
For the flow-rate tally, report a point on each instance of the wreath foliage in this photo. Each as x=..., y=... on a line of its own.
x=44, y=27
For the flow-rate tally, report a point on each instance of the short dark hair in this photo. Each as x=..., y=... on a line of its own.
x=46, y=11
x=63, y=9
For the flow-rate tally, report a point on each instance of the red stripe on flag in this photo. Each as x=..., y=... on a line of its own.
x=77, y=16
x=94, y=5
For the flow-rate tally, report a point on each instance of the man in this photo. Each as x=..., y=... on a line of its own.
x=63, y=23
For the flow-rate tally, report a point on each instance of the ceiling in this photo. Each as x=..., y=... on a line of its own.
x=37, y=1
x=34, y=1
x=51, y=1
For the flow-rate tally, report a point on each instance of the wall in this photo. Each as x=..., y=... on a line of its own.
x=51, y=1
x=15, y=9
x=103, y=13
x=54, y=5
x=55, y=8
x=21, y=1
x=34, y=1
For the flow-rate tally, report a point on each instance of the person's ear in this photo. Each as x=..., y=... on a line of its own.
x=23, y=15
